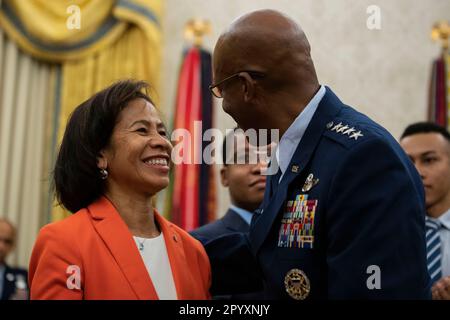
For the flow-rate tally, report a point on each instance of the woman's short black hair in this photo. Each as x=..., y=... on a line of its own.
x=77, y=180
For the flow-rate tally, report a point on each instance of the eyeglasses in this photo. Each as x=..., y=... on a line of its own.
x=216, y=89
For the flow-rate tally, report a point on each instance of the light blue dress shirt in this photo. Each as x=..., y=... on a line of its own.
x=293, y=135
x=244, y=214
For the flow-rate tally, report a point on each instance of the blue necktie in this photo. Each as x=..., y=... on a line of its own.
x=433, y=249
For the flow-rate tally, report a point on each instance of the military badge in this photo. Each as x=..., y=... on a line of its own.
x=297, y=223
x=345, y=130
x=297, y=284
x=309, y=183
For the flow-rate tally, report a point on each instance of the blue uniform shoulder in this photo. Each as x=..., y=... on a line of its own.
x=350, y=128
x=209, y=231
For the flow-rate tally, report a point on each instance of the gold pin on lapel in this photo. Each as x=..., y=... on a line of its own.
x=310, y=183
x=294, y=169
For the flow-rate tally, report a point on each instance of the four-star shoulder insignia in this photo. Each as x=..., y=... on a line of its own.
x=345, y=130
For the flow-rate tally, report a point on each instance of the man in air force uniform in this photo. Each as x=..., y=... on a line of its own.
x=343, y=217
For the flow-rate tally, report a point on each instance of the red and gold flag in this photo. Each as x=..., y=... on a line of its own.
x=192, y=194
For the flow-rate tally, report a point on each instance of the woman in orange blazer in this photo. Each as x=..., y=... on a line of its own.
x=113, y=159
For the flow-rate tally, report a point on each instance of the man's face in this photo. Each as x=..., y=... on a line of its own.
x=430, y=153
x=245, y=183
x=233, y=90
x=232, y=102
x=6, y=240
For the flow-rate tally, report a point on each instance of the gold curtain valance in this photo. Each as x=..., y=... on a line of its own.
x=117, y=39
x=40, y=28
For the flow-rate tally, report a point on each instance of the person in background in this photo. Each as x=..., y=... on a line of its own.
x=246, y=187
x=428, y=146
x=13, y=281
x=114, y=158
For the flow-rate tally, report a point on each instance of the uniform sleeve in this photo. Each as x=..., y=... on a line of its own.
x=55, y=267
x=375, y=220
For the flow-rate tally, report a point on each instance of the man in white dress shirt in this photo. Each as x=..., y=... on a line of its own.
x=428, y=146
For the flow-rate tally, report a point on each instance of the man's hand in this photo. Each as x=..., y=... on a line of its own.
x=441, y=289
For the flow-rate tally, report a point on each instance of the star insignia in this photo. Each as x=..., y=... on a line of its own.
x=345, y=130
x=337, y=127
x=351, y=130
x=342, y=129
x=356, y=135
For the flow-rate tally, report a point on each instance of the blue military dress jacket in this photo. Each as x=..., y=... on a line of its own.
x=345, y=222
x=230, y=223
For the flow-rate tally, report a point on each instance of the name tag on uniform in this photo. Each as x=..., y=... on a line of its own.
x=297, y=224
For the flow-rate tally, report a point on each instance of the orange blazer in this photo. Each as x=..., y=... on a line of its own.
x=95, y=244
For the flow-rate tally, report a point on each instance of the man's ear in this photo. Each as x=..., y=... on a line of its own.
x=248, y=86
x=224, y=176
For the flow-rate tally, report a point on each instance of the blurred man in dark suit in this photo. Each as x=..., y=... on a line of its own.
x=246, y=187
x=13, y=281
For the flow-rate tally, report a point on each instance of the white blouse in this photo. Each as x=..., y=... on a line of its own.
x=156, y=260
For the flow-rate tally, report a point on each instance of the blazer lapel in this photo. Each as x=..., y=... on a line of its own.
x=119, y=240
x=177, y=258
x=328, y=108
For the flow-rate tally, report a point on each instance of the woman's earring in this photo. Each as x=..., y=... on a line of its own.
x=103, y=174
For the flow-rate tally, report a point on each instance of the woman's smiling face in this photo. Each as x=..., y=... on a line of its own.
x=138, y=155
